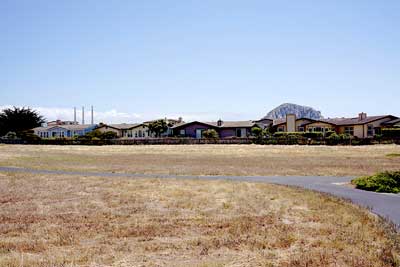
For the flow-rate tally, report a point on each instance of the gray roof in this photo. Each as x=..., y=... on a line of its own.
x=339, y=121
x=78, y=127
x=392, y=121
x=354, y=121
x=121, y=126
x=225, y=124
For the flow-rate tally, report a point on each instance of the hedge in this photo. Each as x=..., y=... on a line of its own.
x=388, y=182
x=391, y=133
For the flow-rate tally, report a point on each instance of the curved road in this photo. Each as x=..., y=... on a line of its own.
x=385, y=205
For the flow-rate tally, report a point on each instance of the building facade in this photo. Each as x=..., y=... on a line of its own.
x=362, y=126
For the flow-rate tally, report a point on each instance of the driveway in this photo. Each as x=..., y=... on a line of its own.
x=385, y=205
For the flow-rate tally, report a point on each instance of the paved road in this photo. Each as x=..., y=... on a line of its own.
x=385, y=205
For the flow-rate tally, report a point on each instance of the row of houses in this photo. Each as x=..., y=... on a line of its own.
x=362, y=126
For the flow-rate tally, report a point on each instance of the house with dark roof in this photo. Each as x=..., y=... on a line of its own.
x=362, y=126
x=392, y=124
x=224, y=129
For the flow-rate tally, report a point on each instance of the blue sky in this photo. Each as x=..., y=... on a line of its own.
x=135, y=60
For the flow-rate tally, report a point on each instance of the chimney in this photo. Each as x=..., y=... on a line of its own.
x=362, y=116
x=291, y=122
x=180, y=119
x=220, y=122
x=75, y=116
x=83, y=115
x=92, y=116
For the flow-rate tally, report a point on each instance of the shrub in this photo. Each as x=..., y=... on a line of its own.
x=333, y=139
x=391, y=133
x=11, y=135
x=329, y=133
x=313, y=135
x=257, y=131
x=388, y=182
x=286, y=134
x=210, y=133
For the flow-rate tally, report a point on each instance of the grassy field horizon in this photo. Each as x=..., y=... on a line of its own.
x=208, y=159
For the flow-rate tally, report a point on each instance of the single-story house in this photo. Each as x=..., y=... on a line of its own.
x=126, y=130
x=69, y=130
x=362, y=126
x=224, y=129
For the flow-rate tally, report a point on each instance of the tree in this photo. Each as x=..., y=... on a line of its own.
x=158, y=127
x=18, y=120
x=210, y=133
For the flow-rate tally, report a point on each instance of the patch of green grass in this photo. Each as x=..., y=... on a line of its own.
x=388, y=182
x=393, y=155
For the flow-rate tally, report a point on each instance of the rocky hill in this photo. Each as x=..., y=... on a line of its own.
x=300, y=111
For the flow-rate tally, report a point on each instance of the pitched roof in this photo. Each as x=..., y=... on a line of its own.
x=355, y=121
x=338, y=121
x=75, y=127
x=234, y=124
x=225, y=124
x=392, y=122
x=121, y=126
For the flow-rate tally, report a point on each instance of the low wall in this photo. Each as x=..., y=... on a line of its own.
x=193, y=141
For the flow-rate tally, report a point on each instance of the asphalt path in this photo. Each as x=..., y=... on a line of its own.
x=385, y=205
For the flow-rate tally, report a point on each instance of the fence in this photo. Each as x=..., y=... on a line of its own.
x=192, y=141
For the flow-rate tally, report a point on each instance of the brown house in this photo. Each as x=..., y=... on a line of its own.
x=362, y=126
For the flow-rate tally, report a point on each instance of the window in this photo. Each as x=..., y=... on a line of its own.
x=301, y=129
x=140, y=133
x=280, y=129
x=182, y=132
x=349, y=130
x=370, y=130
x=238, y=132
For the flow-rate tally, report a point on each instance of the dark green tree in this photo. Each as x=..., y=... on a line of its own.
x=19, y=120
x=157, y=127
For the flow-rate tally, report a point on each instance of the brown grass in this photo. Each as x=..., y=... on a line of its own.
x=208, y=159
x=48, y=220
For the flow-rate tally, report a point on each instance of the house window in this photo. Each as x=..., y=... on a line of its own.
x=301, y=129
x=349, y=130
x=238, y=132
x=140, y=133
x=370, y=130
x=182, y=132
x=280, y=129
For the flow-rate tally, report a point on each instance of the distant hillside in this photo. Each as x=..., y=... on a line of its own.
x=300, y=111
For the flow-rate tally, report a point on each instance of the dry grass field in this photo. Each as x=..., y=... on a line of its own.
x=208, y=159
x=54, y=221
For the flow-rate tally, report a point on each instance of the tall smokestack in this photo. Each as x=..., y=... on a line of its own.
x=83, y=115
x=92, y=116
x=75, y=115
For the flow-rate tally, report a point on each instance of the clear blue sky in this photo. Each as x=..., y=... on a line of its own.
x=202, y=59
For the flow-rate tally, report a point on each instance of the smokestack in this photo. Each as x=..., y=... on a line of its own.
x=75, y=115
x=92, y=117
x=83, y=115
